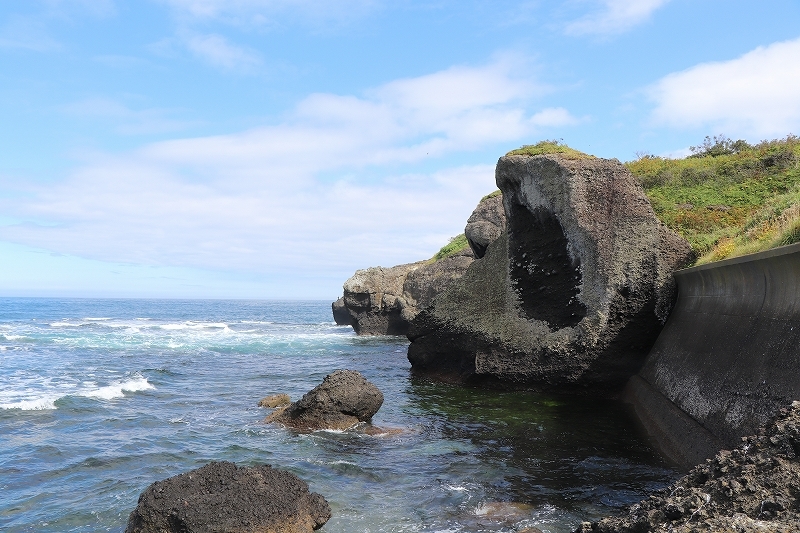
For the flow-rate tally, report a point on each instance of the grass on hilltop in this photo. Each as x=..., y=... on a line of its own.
x=728, y=198
x=550, y=147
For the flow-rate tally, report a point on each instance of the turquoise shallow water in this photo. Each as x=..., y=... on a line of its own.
x=100, y=398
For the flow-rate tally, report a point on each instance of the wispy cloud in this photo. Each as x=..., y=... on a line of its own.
x=614, y=16
x=124, y=119
x=263, y=12
x=292, y=196
x=27, y=33
x=217, y=51
x=755, y=94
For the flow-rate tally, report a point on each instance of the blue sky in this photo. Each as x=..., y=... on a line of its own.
x=268, y=148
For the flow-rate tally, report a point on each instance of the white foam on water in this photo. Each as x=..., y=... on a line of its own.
x=117, y=390
x=196, y=326
x=93, y=319
x=37, y=395
x=35, y=404
x=13, y=337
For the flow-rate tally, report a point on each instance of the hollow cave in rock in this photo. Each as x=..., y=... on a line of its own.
x=544, y=276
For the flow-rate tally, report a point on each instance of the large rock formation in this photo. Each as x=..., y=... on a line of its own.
x=342, y=400
x=485, y=224
x=752, y=489
x=384, y=301
x=571, y=296
x=222, y=497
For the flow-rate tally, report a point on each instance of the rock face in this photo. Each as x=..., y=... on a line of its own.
x=342, y=400
x=222, y=497
x=753, y=488
x=375, y=301
x=485, y=224
x=384, y=301
x=570, y=297
x=340, y=313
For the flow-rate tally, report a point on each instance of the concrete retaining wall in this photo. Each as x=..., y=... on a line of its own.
x=727, y=358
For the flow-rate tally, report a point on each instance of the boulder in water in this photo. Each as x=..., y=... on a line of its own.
x=343, y=399
x=223, y=497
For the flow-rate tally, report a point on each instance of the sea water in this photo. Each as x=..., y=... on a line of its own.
x=100, y=398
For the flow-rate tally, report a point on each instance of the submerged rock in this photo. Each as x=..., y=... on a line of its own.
x=754, y=488
x=225, y=498
x=384, y=301
x=342, y=400
x=571, y=296
x=275, y=400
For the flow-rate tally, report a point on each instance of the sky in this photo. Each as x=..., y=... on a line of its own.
x=269, y=148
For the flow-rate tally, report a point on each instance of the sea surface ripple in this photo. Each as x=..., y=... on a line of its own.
x=100, y=398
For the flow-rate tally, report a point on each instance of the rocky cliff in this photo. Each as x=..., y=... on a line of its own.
x=384, y=301
x=573, y=293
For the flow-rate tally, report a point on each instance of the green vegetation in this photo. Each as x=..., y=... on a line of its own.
x=498, y=192
x=456, y=245
x=728, y=198
x=550, y=147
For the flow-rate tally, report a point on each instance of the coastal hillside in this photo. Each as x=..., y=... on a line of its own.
x=728, y=198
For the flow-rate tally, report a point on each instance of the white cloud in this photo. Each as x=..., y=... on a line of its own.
x=260, y=12
x=554, y=117
x=124, y=119
x=753, y=95
x=295, y=197
x=615, y=16
x=217, y=51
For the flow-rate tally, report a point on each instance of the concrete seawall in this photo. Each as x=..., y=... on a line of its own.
x=728, y=357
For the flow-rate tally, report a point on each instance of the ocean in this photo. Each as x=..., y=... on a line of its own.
x=100, y=397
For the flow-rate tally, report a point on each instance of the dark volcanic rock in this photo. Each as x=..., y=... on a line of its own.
x=571, y=296
x=224, y=498
x=384, y=301
x=375, y=301
x=486, y=223
x=340, y=313
x=754, y=488
x=342, y=400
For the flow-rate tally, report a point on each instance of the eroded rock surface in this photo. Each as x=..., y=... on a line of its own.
x=342, y=400
x=485, y=224
x=375, y=301
x=384, y=301
x=754, y=488
x=570, y=297
x=340, y=313
x=225, y=498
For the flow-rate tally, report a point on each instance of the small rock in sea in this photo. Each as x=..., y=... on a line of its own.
x=275, y=400
x=342, y=400
x=222, y=497
x=507, y=512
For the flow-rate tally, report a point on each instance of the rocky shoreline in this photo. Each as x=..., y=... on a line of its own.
x=570, y=297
